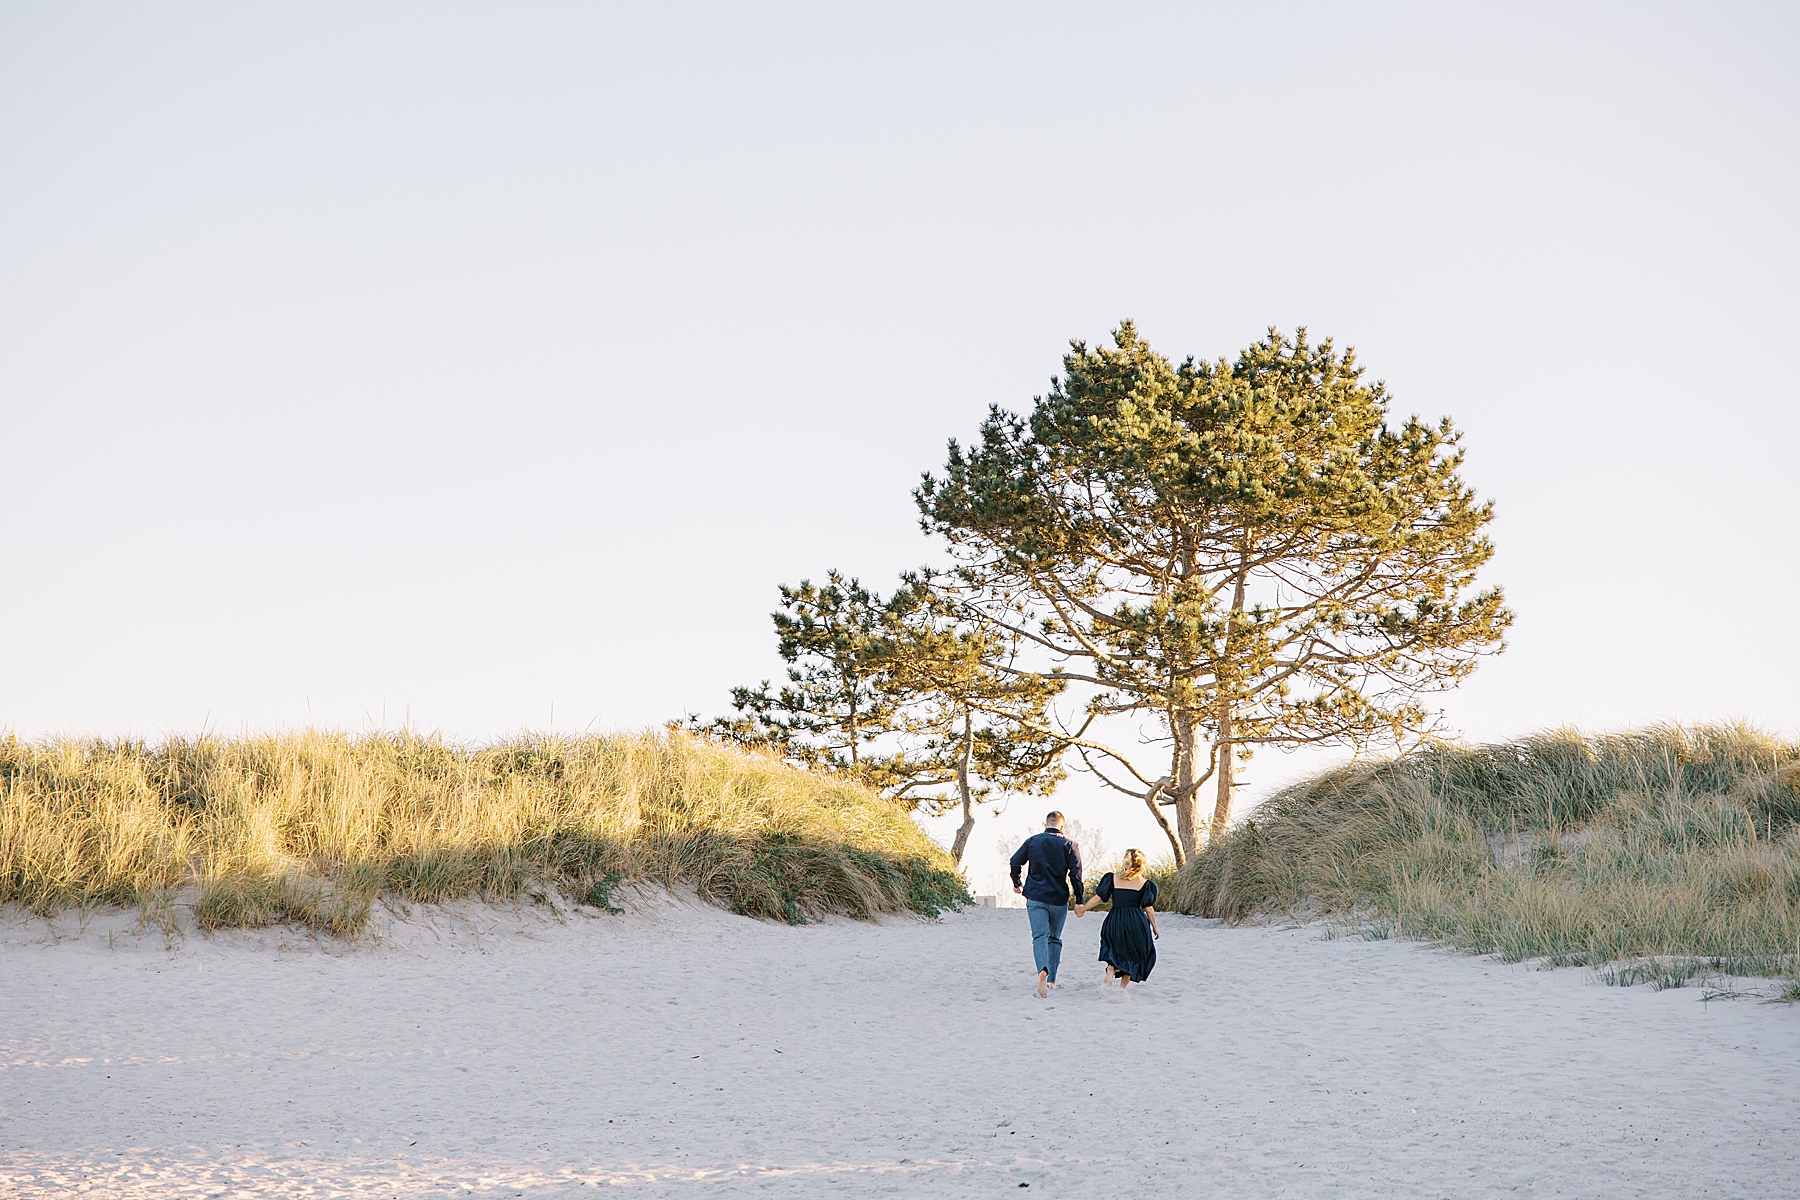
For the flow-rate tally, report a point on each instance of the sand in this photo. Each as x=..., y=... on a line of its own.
x=681, y=1051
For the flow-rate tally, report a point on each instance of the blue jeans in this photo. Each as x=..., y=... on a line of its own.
x=1046, y=933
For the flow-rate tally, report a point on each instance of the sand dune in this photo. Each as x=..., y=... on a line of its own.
x=681, y=1051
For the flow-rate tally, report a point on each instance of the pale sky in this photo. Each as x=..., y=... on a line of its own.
x=488, y=366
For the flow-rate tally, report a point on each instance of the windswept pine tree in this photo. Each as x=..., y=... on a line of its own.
x=1243, y=553
x=831, y=710
x=900, y=696
x=971, y=717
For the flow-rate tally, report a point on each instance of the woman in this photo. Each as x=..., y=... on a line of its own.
x=1128, y=939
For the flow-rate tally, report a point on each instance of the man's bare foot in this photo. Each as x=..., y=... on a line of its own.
x=1043, y=983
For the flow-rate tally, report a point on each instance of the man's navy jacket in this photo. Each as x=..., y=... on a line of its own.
x=1052, y=856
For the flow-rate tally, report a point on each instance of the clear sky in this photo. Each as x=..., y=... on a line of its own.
x=488, y=366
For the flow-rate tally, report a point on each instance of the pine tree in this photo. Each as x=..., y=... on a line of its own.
x=1243, y=553
x=896, y=695
x=968, y=715
x=832, y=710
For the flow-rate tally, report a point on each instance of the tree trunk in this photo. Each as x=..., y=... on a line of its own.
x=962, y=785
x=1153, y=802
x=1187, y=804
x=1227, y=777
x=855, y=738
x=1226, y=758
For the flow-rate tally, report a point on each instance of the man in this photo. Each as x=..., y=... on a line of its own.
x=1054, y=859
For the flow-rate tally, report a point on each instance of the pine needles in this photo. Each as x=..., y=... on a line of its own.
x=1669, y=853
x=310, y=828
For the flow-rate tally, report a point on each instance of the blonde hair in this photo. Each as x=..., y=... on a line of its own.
x=1053, y=820
x=1132, y=863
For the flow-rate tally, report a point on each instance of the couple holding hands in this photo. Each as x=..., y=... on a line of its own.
x=1052, y=865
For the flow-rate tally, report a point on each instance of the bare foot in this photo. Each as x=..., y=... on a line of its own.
x=1108, y=977
x=1043, y=983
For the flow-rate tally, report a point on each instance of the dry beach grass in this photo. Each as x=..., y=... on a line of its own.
x=312, y=827
x=1655, y=856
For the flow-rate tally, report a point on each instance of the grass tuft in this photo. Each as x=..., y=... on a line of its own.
x=311, y=828
x=1658, y=857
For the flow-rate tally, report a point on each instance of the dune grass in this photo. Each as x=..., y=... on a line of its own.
x=1657, y=856
x=311, y=828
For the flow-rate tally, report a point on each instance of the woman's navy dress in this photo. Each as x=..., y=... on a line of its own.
x=1125, y=938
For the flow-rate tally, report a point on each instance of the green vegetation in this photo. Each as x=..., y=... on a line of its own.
x=312, y=828
x=1242, y=552
x=901, y=696
x=1655, y=857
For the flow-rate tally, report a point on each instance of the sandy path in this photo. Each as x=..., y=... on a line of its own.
x=684, y=1052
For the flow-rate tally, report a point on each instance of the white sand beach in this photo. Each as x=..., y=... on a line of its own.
x=682, y=1051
